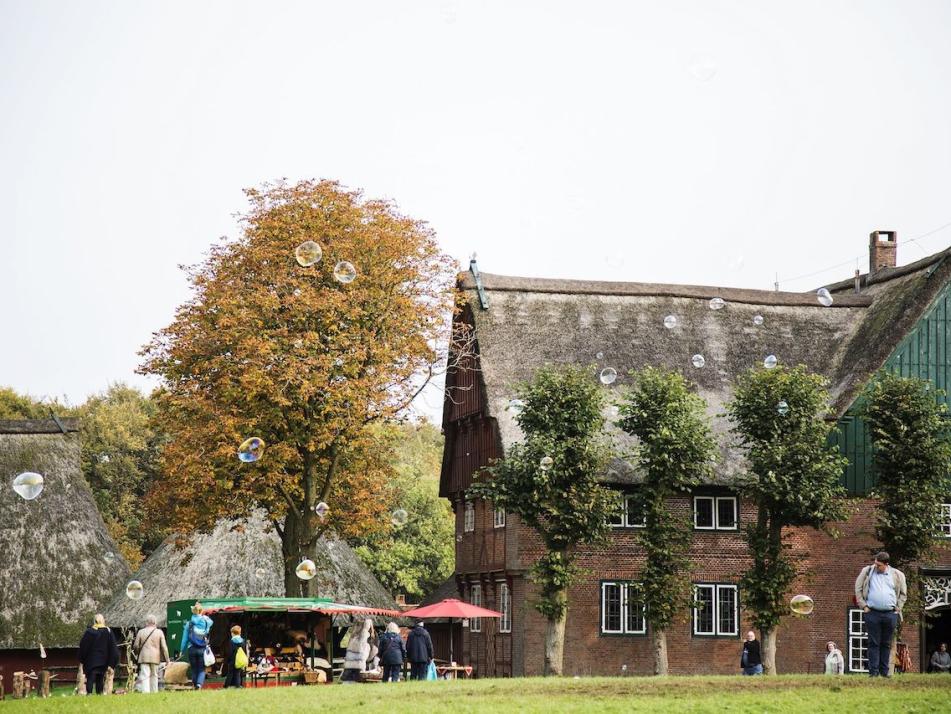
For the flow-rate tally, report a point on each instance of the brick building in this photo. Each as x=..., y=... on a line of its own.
x=892, y=317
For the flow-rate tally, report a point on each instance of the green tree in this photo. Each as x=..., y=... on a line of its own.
x=911, y=455
x=120, y=460
x=14, y=405
x=793, y=479
x=675, y=452
x=550, y=481
x=416, y=557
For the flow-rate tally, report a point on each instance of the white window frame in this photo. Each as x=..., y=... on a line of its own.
x=715, y=506
x=626, y=588
x=468, y=517
x=475, y=598
x=944, y=520
x=715, y=589
x=505, y=606
x=627, y=520
x=858, y=640
x=499, y=518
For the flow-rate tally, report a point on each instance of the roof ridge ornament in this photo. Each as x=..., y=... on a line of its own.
x=474, y=269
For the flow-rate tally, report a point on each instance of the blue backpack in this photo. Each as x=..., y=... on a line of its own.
x=197, y=638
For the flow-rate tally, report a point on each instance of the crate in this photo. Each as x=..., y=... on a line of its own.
x=318, y=677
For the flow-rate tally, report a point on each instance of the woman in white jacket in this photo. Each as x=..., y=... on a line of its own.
x=835, y=663
x=361, y=651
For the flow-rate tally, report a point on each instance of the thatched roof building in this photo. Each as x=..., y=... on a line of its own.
x=59, y=564
x=240, y=559
x=521, y=324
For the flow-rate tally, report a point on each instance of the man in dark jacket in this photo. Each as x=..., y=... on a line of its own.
x=751, y=661
x=97, y=651
x=392, y=653
x=419, y=650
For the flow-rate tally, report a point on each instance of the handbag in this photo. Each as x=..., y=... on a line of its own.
x=209, y=657
x=431, y=672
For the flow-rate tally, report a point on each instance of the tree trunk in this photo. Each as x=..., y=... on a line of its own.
x=555, y=647
x=659, y=647
x=768, y=651
x=296, y=540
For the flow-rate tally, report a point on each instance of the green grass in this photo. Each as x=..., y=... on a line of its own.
x=813, y=694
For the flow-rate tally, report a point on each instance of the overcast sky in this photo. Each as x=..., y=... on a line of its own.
x=686, y=142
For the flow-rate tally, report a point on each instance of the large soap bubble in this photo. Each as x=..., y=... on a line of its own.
x=824, y=297
x=308, y=253
x=546, y=463
x=399, y=518
x=770, y=361
x=515, y=406
x=599, y=356
x=306, y=570
x=608, y=375
x=321, y=509
x=134, y=590
x=698, y=361
x=251, y=449
x=670, y=322
x=782, y=408
x=702, y=67
x=28, y=485
x=344, y=272
x=802, y=605
x=717, y=303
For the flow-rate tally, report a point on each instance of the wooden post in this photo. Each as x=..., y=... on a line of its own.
x=80, y=682
x=109, y=680
x=43, y=683
x=19, y=679
x=1, y=687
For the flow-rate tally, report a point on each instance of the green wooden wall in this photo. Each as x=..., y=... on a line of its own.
x=924, y=353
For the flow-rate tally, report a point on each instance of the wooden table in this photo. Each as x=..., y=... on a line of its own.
x=276, y=675
x=452, y=671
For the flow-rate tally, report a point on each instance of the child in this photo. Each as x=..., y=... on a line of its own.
x=235, y=668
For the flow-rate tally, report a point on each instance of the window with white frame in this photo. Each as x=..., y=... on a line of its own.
x=716, y=611
x=622, y=609
x=468, y=517
x=628, y=516
x=475, y=598
x=858, y=641
x=944, y=520
x=500, y=518
x=715, y=513
x=505, y=607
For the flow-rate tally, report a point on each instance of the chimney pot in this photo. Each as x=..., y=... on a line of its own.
x=882, y=251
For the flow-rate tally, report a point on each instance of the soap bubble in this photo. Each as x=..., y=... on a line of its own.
x=308, y=253
x=698, y=361
x=321, y=509
x=251, y=450
x=546, y=463
x=134, y=590
x=109, y=556
x=770, y=361
x=717, y=303
x=802, y=605
x=824, y=297
x=399, y=518
x=103, y=458
x=260, y=573
x=28, y=485
x=515, y=406
x=670, y=322
x=600, y=355
x=757, y=320
x=306, y=570
x=702, y=67
x=782, y=408
x=608, y=375
x=344, y=272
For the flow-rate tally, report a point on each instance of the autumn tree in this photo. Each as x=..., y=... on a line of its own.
x=302, y=353
x=550, y=481
x=911, y=456
x=793, y=473
x=415, y=557
x=675, y=451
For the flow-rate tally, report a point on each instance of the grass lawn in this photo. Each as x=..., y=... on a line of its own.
x=795, y=693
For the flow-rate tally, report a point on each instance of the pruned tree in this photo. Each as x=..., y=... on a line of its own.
x=675, y=451
x=911, y=457
x=303, y=355
x=550, y=481
x=793, y=478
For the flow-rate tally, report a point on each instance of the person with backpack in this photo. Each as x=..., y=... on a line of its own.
x=195, y=642
x=419, y=647
x=392, y=653
x=150, y=650
x=236, y=659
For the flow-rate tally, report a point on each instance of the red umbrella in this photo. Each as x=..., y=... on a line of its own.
x=451, y=608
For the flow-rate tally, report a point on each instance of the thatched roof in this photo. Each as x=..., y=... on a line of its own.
x=530, y=322
x=240, y=559
x=59, y=564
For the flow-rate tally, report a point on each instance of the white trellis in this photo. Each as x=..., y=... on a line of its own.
x=937, y=591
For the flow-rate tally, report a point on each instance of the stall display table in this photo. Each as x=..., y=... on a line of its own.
x=256, y=677
x=448, y=671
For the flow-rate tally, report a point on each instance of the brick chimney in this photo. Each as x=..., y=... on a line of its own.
x=882, y=251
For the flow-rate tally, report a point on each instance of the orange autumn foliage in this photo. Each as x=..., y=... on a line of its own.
x=289, y=354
